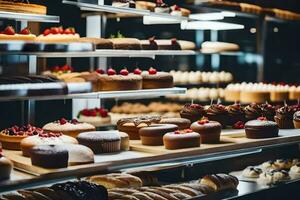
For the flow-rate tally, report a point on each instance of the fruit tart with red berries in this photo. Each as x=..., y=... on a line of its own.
x=68, y=127
x=9, y=33
x=152, y=79
x=59, y=34
x=95, y=116
x=11, y=137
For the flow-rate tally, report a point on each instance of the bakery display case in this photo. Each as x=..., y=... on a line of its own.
x=151, y=127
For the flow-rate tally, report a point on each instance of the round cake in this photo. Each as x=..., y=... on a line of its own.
x=5, y=167
x=181, y=139
x=115, y=82
x=257, y=96
x=182, y=123
x=210, y=131
x=69, y=127
x=95, y=117
x=49, y=156
x=153, y=134
x=193, y=112
x=45, y=138
x=284, y=117
x=11, y=138
x=153, y=79
x=101, y=141
x=296, y=119
x=78, y=154
x=217, y=112
x=131, y=126
x=261, y=128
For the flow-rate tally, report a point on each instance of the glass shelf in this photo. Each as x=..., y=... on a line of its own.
x=29, y=17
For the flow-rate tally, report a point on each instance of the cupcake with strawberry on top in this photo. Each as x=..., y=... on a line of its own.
x=95, y=116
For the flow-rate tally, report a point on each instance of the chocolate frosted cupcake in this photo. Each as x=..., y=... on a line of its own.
x=193, y=112
x=217, y=112
x=253, y=111
x=284, y=117
x=268, y=111
x=297, y=119
x=235, y=113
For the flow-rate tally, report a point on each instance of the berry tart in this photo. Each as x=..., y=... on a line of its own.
x=153, y=79
x=217, y=112
x=11, y=137
x=45, y=138
x=69, y=127
x=284, y=117
x=181, y=139
x=193, y=112
x=210, y=131
x=5, y=166
x=20, y=7
x=9, y=33
x=261, y=128
x=122, y=81
x=96, y=116
x=58, y=34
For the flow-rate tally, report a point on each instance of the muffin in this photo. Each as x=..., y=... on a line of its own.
x=236, y=113
x=261, y=128
x=284, y=117
x=296, y=119
x=210, y=131
x=193, y=112
x=101, y=141
x=218, y=113
x=268, y=111
x=253, y=111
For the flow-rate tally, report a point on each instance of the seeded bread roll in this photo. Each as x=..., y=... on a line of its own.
x=220, y=182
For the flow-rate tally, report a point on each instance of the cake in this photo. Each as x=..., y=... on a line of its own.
x=101, y=141
x=253, y=111
x=49, y=156
x=252, y=172
x=100, y=43
x=19, y=7
x=182, y=123
x=181, y=139
x=235, y=113
x=284, y=117
x=9, y=33
x=78, y=154
x=193, y=112
x=68, y=127
x=296, y=119
x=210, y=131
x=153, y=79
x=261, y=128
x=294, y=93
x=5, y=167
x=46, y=138
x=257, y=96
x=131, y=126
x=58, y=34
x=123, y=81
x=217, y=112
x=273, y=177
x=11, y=137
x=178, y=11
x=174, y=44
x=123, y=3
x=149, y=44
x=153, y=134
x=95, y=117
x=232, y=93
x=126, y=43
x=161, y=7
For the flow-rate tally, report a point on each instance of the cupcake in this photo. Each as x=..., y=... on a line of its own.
x=268, y=111
x=253, y=111
x=296, y=119
x=261, y=128
x=284, y=117
x=210, y=131
x=217, y=112
x=236, y=113
x=193, y=112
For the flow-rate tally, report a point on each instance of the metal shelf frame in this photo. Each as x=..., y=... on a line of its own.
x=29, y=17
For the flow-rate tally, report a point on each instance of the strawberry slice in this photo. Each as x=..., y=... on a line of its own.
x=25, y=31
x=9, y=31
x=70, y=30
x=46, y=32
x=54, y=30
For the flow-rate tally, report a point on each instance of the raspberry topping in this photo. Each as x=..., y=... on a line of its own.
x=26, y=130
x=69, y=30
x=46, y=32
x=262, y=119
x=174, y=41
x=239, y=125
x=63, y=121
x=177, y=8
x=203, y=121
x=197, y=106
x=62, y=69
x=9, y=31
x=152, y=71
x=111, y=72
x=137, y=71
x=124, y=72
x=94, y=112
x=54, y=30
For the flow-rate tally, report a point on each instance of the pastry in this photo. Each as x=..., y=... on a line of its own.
x=273, y=177
x=131, y=126
x=174, y=44
x=252, y=172
x=210, y=131
x=193, y=112
x=46, y=138
x=268, y=111
x=215, y=47
x=257, y=96
x=253, y=111
x=100, y=43
x=235, y=113
x=101, y=141
x=233, y=93
x=78, y=154
x=9, y=33
x=95, y=117
x=217, y=112
x=20, y=7
x=68, y=127
x=182, y=123
x=261, y=128
x=153, y=79
x=296, y=119
x=126, y=43
x=49, y=156
x=58, y=34
x=295, y=171
x=11, y=137
x=284, y=117
x=145, y=5
x=185, y=190
x=123, y=81
x=161, y=7
x=116, y=180
x=181, y=139
x=199, y=187
x=178, y=11
x=5, y=167
x=219, y=182
x=153, y=134
x=123, y=3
